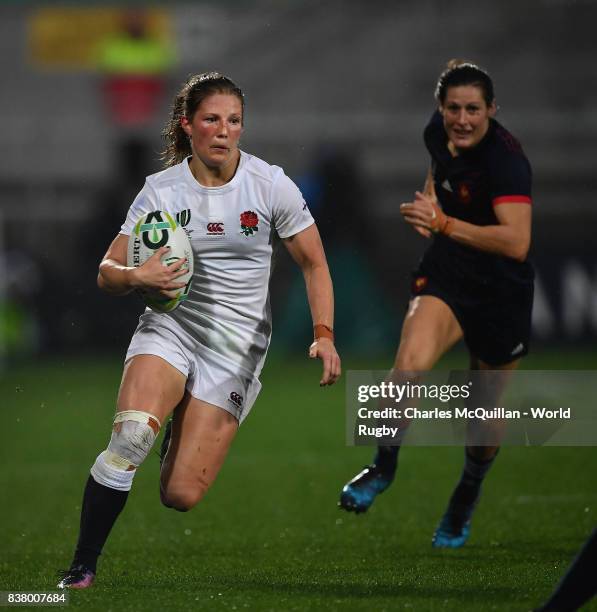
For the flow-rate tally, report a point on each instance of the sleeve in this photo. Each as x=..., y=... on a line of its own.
x=145, y=202
x=290, y=213
x=511, y=179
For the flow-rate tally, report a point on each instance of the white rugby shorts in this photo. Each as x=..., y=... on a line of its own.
x=210, y=377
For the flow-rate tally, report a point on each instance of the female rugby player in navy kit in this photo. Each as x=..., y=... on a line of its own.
x=474, y=281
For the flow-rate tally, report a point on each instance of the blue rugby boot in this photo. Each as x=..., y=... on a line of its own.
x=455, y=527
x=359, y=493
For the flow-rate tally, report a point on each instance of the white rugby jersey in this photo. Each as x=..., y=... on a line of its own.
x=233, y=230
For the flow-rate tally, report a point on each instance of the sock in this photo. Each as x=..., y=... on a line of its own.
x=387, y=458
x=468, y=488
x=101, y=507
x=578, y=585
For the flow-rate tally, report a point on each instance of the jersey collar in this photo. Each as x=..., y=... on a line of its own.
x=221, y=189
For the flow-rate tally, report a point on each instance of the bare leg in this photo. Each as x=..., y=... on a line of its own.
x=201, y=436
x=429, y=330
x=150, y=384
x=149, y=391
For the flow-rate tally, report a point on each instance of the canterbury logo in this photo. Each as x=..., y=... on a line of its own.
x=215, y=228
x=237, y=399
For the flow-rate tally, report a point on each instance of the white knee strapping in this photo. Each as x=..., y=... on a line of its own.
x=133, y=436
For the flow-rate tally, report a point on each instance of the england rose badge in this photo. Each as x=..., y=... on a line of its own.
x=248, y=223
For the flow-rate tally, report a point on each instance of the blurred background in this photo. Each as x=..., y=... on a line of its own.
x=337, y=93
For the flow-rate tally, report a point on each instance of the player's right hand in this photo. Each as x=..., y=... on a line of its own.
x=406, y=210
x=156, y=276
x=426, y=216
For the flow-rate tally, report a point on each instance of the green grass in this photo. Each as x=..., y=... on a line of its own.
x=268, y=536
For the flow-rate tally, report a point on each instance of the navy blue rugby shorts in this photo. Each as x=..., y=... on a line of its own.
x=495, y=316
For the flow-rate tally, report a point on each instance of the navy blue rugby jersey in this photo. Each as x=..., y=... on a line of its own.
x=468, y=187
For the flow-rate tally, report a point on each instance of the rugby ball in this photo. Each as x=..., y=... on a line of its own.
x=152, y=231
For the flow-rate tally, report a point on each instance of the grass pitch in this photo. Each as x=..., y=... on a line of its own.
x=269, y=536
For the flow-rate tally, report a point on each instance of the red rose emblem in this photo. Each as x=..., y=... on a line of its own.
x=248, y=223
x=249, y=219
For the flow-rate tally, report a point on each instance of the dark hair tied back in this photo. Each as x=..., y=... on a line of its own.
x=186, y=102
x=461, y=72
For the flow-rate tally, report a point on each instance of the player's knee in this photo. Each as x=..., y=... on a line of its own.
x=133, y=436
x=182, y=501
x=182, y=496
x=412, y=360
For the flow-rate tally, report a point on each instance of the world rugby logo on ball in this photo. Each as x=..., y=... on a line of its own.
x=154, y=230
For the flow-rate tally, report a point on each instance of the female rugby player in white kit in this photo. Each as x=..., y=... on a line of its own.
x=203, y=358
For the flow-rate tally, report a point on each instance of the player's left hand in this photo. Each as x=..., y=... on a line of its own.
x=324, y=349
